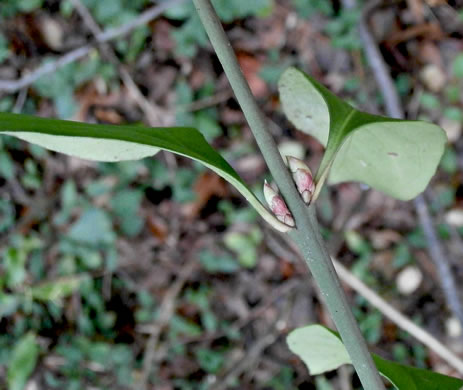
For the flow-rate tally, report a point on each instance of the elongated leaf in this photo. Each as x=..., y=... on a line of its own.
x=397, y=157
x=22, y=362
x=117, y=143
x=322, y=350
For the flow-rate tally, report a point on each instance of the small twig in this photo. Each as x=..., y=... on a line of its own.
x=394, y=109
x=49, y=67
x=166, y=311
x=276, y=294
x=74, y=55
x=207, y=101
x=244, y=362
x=393, y=314
x=20, y=100
x=441, y=261
x=398, y=318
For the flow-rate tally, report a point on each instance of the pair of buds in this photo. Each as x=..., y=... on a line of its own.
x=305, y=185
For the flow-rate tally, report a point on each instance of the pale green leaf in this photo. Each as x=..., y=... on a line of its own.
x=397, y=158
x=318, y=348
x=304, y=105
x=322, y=350
x=118, y=143
x=108, y=150
x=93, y=228
x=56, y=289
x=394, y=156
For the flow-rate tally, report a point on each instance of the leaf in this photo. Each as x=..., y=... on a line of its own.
x=56, y=289
x=245, y=246
x=411, y=378
x=397, y=157
x=399, y=164
x=218, y=263
x=22, y=362
x=118, y=143
x=319, y=349
x=322, y=350
x=93, y=228
x=8, y=304
x=125, y=205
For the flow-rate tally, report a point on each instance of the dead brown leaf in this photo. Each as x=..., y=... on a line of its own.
x=251, y=67
x=157, y=228
x=207, y=185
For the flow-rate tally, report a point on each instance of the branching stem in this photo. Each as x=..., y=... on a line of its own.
x=307, y=235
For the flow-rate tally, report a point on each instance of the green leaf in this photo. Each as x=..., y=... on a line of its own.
x=8, y=304
x=56, y=289
x=218, y=263
x=394, y=156
x=14, y=263
x=322, y=350
x=93, y=228
x=23, y=361
x=319, y=348
x=125, y=205
x=245, y=246
x=209, y=360
x=118, y=143
x=29, y=5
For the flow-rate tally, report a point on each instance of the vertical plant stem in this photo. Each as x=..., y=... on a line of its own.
x=307, y=235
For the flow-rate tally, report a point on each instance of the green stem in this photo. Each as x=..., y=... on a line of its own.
x=307, y=235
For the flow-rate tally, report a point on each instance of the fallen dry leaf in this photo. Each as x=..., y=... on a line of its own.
x=207, y=185
x=157, y=227
x=251, y=67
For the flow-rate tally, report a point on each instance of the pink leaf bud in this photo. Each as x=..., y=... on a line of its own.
x=278, y=205
x=302, y=177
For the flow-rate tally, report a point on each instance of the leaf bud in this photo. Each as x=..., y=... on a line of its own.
x=303, y=178
x=278, y=205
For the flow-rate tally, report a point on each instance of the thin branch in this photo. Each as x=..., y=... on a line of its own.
x=394, y=109
x=398, y=318
x=49, y=67
x=166, y=311
x=242, y=363
x=207, y=102
x=440, y=260
x=74, y=55
x=20, y=101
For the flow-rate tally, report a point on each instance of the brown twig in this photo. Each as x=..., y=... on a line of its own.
x=394, y=109
x=166, y=311
x=74, y=55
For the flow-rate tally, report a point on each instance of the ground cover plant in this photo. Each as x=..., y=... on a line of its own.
x=394, y=156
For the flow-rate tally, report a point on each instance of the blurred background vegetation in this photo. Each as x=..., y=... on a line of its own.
x=155, y=273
